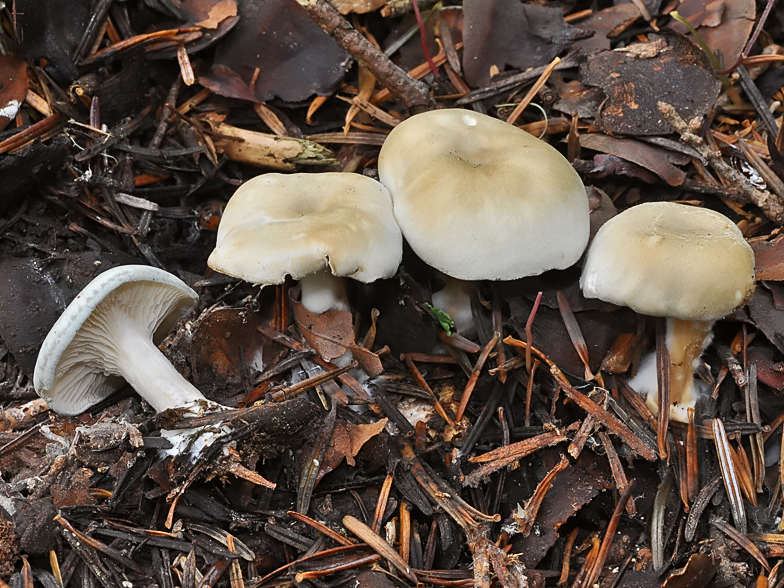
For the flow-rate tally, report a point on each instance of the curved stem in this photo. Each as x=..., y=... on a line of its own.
x=145, y=368
x=686, y=340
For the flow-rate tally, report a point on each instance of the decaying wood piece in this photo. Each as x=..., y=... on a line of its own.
x=272, y=420
x=503, y=456
x=269, y=151
x=583, y=433
x=17, y=416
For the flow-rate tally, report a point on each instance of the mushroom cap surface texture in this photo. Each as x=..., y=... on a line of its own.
x=480, y=199
x=72, y=372
x=671, y=260
x=277, y=225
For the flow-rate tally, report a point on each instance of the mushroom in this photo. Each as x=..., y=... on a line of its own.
x=315, y=228
x=109, y=333
x=690, y=265
x=481, y=199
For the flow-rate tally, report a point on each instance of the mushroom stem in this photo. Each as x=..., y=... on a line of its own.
x=686, y=340
x=455, y=300
x=146, y=369
x=322, y=291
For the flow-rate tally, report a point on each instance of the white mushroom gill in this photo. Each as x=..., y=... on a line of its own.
x=116, y=340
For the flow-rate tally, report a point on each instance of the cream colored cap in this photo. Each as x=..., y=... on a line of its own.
x=672, y=260
x=480, y=199
x=277, y=225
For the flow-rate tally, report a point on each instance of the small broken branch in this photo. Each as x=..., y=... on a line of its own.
x=412, y=94
x=503, y=456
x=265, y=150
x=16, y=416
x=380, y=546
x=609, y=421
x=525, y=517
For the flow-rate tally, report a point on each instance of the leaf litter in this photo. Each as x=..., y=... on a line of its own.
x=136, y=121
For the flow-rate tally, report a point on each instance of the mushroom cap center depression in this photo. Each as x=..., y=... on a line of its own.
x=478, y=198
x=277, y=225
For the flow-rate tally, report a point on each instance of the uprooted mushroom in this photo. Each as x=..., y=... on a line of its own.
x=108, y=336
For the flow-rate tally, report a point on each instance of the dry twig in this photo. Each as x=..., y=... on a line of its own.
x=412, y=94
x=769, y=203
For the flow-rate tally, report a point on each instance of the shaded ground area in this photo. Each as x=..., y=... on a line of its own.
x=516, y=455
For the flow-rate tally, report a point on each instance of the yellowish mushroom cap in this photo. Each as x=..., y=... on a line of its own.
x=671, y=260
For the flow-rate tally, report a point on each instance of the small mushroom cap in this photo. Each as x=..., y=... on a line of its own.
x=478, y=198
x=71, y=372
x=277, y=225
x=672, y=260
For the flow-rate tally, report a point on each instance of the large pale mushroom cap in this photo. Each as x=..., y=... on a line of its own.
x=277, y=225
x=477, y=198
x=671, y=260
x=80, y=361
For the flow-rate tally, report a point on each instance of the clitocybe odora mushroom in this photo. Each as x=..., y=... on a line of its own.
x=691, y=265
x=109, y=333
x=315, y=228
x=480, y=199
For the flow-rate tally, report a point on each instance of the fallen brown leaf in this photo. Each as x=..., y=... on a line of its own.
x=293, y=56
x=508, y=33
x=330, y=333
x=606, y=24
x=724, y=25
x=218, y=13
x=658, y=160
